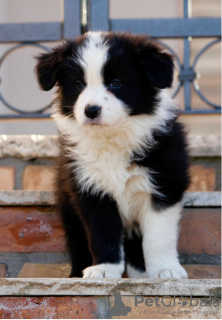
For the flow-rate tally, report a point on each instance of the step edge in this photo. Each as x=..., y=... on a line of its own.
x=46, y=198
x=46, y=146
x=101, y=287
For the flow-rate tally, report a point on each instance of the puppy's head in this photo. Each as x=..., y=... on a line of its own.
x=103, y=78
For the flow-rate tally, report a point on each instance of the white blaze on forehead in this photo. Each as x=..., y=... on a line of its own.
x=92, y=57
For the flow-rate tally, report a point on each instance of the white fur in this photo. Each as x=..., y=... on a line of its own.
x=92, y=57
x=134, y=273
x=104, y=270
x=160, y=233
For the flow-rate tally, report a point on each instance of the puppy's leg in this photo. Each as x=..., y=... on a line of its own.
x=160, y=234
x=104, y=229
x=135, y=266
x=77, y=241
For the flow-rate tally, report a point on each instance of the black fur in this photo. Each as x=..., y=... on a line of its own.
x=134, y=251
x=168, y=163
x=92, y=223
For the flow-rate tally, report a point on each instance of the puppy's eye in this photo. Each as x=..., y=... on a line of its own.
x=80, y=85
x=115, y=84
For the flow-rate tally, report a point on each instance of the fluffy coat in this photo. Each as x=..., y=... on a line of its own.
x=123, y=164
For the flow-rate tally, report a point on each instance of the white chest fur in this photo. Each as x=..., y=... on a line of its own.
x=103, y=164
x=108, y=170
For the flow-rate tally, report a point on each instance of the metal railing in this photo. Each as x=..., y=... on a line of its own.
x=186, y=28
x=30, y=34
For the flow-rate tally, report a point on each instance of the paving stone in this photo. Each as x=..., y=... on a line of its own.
x=28, y=146
x=105, y=287
x=202, y=178
x=48, y=308
x=208, y=145
x=46, y=198
x=31, y=198
x=200, y=199
x=41, y=146
x=38, y=178
x=7, y=178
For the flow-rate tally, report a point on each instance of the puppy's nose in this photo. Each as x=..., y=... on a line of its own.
x=92, y=111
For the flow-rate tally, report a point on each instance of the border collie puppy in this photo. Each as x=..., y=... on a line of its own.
x=123, y=164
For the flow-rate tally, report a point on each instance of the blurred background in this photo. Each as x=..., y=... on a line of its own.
x=19, y=87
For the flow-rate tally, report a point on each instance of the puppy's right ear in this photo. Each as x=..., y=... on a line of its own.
x=47, y=69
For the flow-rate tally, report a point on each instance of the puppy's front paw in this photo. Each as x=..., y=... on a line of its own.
x=104, y=270
x=173, y=272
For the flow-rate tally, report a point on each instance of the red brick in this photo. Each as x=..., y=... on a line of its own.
x=7, y=178
x=40, y=270
x=2, y=271
x=200, y=231
x=38, y=178
x=39, y=229
x=48, y=308
x=202, y=178
x=200, y=271
x=30, y=229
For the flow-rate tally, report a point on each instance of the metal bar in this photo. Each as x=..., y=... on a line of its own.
x=170, y=28
x=48, y=116
x=25, y=116
x=187, y=84
x=187, y=9
x=72, y=18
x=30, y=32
x=98, y=15
x=186, y=56
x=202, y=111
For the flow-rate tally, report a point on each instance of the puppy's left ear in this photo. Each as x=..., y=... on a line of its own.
x=158, y=65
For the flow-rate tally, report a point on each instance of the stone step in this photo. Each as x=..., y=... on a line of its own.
x=104, y=287
x=46, y=198
x=109, y=298
x=63, y=270
x=31, y=230
x=41, y=146
x=28, y=162
x=39, y=229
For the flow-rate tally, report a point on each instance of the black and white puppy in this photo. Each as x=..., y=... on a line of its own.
x=123, y=164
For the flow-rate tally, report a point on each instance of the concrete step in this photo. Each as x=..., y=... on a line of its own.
x=63, y=270
x=28, y=162
x=46, y=198
x=31, y=231
x=40, y=146
x=109, y=298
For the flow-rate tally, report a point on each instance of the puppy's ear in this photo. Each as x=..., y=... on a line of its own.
x=47, y=69
x=158, y=65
